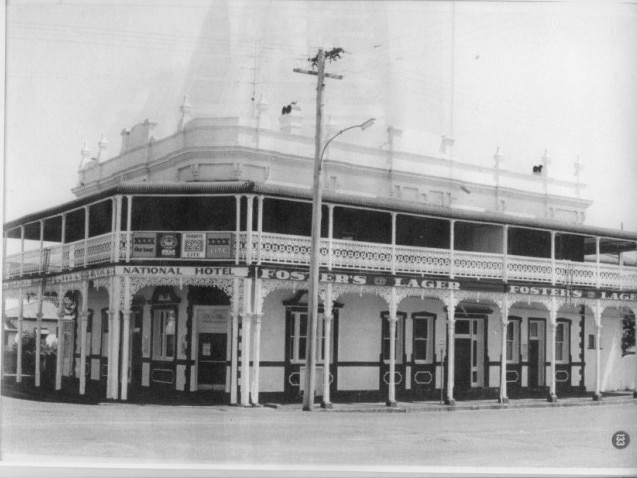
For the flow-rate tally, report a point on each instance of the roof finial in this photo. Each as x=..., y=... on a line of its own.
x=102, y=147
x=578, y=174
x=86, y=153
x=186, y=110
x=497, y=158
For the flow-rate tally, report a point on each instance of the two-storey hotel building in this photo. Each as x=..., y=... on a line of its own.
x=181, y=270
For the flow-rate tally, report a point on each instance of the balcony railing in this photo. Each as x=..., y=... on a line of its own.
x=289, y=250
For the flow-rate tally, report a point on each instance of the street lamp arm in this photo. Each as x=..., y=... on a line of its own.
x=363, y=126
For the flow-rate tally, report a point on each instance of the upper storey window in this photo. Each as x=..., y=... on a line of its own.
x=573, y=247
x=617, y=251
x=100, y=218
x=478, y=237
x=184, y=213
x=422, y=231
x=74, y=226
x=529, y=242
x=281, y=216
x=362, y=225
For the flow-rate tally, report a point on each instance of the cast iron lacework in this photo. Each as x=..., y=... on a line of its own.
x=422, y=261
x=139, y=282
x=529, y=268
x=477, y=265
x=361, y=255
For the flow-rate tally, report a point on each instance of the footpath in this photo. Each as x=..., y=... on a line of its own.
x=436, y=406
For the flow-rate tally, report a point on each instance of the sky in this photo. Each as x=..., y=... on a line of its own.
x=522, y=76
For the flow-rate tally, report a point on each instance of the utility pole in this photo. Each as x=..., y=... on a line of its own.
x=310, y=355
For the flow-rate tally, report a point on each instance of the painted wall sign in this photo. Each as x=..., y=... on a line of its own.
x=16, y=284
x=63, y=278
x=441, y=284
x=360, y=279
x=168, y=244
x=144, y=244
x=97, y=273
x=574, y=293
x=182, y=271
x=193, y=245
x=219, y=245
x=75, y=277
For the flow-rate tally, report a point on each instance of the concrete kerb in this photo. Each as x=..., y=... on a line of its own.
x=424, y=407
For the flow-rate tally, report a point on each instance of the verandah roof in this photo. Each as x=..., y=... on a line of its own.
x=393, y=205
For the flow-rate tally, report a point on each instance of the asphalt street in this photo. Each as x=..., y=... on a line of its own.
x=577, y=437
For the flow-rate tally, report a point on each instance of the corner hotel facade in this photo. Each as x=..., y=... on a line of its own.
x=183, y=264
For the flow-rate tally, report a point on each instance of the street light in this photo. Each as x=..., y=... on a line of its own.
x=310, y=369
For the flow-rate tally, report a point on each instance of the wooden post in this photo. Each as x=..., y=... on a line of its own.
x=393, y=320
x=235, y=340
x=18, y=377
x=597, y=396
x=60, y=336
x=451, y=325
x=83, y=327
x=125, y=340
x=328, y=315
x=393, y=242
x=256, y=346
x=249, y=214
x=503, y=359
x=310, y=369
x=553, y=323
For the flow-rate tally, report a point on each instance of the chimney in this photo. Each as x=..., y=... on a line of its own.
x=139, y=135
x=125, y=135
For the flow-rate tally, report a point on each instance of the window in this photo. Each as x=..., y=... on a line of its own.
x=529, y=242
x=299, y=335
x=423, y=337
x=362, y=225
x=562, y=349
x=513, y=341
x=164, y=328
x=591, y=341
x=422, y=231
x=399, y=337
x=478, y=237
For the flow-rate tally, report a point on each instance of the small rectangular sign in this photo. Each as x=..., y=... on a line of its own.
x=219, y=245
x=168, y=244
x=144, y=244
x=193, y=245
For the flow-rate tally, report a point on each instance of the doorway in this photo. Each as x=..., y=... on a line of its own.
x=469, y=354
x=537, y=353
x=212, y=347
x=136, y=347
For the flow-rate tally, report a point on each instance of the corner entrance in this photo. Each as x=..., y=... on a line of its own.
x=212, y=347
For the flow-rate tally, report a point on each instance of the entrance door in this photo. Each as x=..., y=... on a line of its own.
x=469, y=354
x=462, y=373
x=536, y=353
x=211, y=359
x=136, y=348
x=212, y=347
